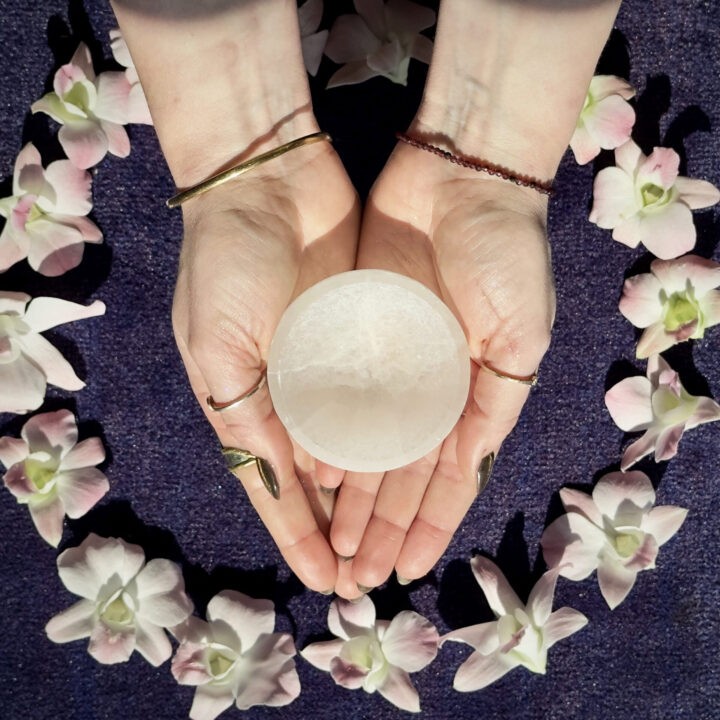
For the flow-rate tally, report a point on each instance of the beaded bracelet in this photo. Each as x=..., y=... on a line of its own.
x=542, y=186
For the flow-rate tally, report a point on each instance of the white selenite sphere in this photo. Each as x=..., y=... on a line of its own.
x=368, y=370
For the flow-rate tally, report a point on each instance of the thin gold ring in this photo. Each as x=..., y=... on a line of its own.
x=530, y=380
x=235, y=402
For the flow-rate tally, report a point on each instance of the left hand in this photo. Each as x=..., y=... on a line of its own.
x=479, y=243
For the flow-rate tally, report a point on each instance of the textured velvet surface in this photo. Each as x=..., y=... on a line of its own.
x=654, y=657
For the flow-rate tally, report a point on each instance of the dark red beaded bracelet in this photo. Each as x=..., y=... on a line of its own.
x=544, y=187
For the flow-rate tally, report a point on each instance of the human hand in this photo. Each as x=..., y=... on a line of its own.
x=479, y=243
x=250, y=248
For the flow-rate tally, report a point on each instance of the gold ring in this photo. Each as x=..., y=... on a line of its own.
x=231, y=404
x=530, y=380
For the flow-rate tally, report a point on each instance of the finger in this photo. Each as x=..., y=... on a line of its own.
x=328, y=476
x=447, y=498
x=345, y=586
x=290, y=519
x=353, y=508
x=397, y=504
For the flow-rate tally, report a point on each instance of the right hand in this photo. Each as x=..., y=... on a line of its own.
x=251, y=246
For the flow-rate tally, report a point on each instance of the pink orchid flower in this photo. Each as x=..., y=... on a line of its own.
x=644, y=200
x=28, y=362
x=522, y=633
x=235, y=657
x=92, y=110
x=606, y=120
x=46, y=215
x=137, y=107
x=52, y=473
x=313, y=42
x=677, y=300
x=616, y=532
x=659, y=405
x=379, y=41
x=375, y=654
x=126, y=603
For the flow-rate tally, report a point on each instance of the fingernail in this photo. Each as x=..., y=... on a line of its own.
x=356, y=600
x=346, y=558
x=484, y=471
x=327, y=592
x=402, y=581
x=267, y=475
x=364, y=589
x=327, y=491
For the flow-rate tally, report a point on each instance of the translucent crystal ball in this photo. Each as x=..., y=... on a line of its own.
x=368, y=370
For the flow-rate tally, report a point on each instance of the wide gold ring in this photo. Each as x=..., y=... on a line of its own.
x=530, y=380
x=235, y=402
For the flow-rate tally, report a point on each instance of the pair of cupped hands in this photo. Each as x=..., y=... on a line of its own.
x=253, y=245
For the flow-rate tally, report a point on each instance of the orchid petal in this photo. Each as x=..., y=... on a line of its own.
x=59, y=111
x=408, y=18
x=12, y=451
x=11, y=251
x=23, y=386
x=152, y=642
x=57, y=370
x=673, y=275
x=612, y=198
x=639, y=449
x=410, y=642
x=248, y=617
x=615, y=581
x=482, y=637
x=399, y=690
x=640, y=302
x=117, y=137
x=346, y=619
x=83, y=61
x=44, y=313
x=660, y=168
x=697, y=194
x=654, y=339
x=86, y=568
x=74, y=623
x=320, y=654
x=309, y=17
x=269, y=673
x=55, y=248
x=351, y=74
x=479, y=671
x=644, y=557
x=602, y=86
x=138, y=110
x=85, y=454
x=663, y=522
x=28, y=157
x=346, y=674
x=500, y=596
x=573, y=544
x=188, y=666
x=72, y=189
x=706, y=410
x=13, y=303
x=580, y=502
x=583, y=145
x=111, y=646
x=373, y=13
x=628, y=157
x=667, y=233
x=351, y=40
x=610, y=122
x=390, y=61
x=160, y=592
x=312, y=50
x=113, y=91
x=81, y=490
x=48, y=517
x=628, y=403
x=210, y=701
x=53, y=432
x=539, y=604
x=422, y=49
x=616, y=489
x=666, y=445
x=89, y=231
x=84, y=142
x=561, y=624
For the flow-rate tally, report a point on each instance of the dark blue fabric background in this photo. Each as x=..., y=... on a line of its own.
x=654, y=658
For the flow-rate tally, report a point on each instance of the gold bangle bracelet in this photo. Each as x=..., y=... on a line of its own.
x=242, y=168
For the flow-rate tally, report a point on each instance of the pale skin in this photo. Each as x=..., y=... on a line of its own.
x=230, y=84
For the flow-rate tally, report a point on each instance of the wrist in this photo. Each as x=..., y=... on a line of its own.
x=507, y=81
x=223, y=86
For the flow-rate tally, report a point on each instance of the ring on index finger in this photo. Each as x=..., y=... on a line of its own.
x=236, y=402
